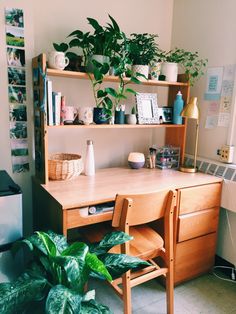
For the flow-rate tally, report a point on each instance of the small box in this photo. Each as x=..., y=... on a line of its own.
x=168, y=157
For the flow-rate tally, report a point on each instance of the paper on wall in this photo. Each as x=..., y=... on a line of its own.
x=214, y=83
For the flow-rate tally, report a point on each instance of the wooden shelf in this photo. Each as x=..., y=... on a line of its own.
x=109, y=78
x=117, y=126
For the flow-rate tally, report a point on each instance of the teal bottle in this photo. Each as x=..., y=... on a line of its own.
x=178, y=107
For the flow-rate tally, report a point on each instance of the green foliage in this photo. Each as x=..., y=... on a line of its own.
x=58, y=276
x=133, y=110
x=191, y=62
x=142, y=48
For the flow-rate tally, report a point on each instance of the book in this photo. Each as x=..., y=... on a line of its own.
x=49, y=103
x=62, y=114
x=56, y=105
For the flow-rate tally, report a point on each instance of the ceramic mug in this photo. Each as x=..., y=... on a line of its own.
x=69, y=113
x=57, y=60
x=86, y=115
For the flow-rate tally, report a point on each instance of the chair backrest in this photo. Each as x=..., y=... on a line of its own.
x=143, y=208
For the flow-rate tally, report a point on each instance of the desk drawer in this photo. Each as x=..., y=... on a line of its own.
x=197, y=224
x=199, y=198
x=74, y=218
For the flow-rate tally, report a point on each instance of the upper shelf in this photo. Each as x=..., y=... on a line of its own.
x=109, y=78
x=118, y=126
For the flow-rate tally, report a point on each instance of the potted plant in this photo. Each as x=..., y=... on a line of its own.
x=56, y=281
x=192, y=64
x=142, y=50
x=131, y=118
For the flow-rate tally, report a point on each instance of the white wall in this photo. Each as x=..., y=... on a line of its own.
x=208, y=27
x=51, y=21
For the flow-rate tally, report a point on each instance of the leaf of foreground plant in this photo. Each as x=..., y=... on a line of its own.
x=92, y=307
x=16, y=294
x=62, y=300
x=77, y=249
x=118, y=264
x=59, y=239
x=110, y=240
x=48, y=243
x=97, y=266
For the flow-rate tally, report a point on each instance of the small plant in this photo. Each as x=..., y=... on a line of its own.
x=56, y=280
x=191, y=62
x=133, y=110
x=142, y=48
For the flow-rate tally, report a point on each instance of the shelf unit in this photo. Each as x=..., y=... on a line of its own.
x=174, y=134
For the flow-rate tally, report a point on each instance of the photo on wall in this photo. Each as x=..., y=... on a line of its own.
x=19, y=147
x=15, y=57
x=18, y=130
x=16, y=94
x=15, y=36
x=14, y=17
x=17, y=113
x=16, y=76
x=20, y=163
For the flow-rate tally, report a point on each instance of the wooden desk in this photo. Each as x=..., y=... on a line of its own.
x=57, y=207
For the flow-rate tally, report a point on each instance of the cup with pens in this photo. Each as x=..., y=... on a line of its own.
x=120, y=114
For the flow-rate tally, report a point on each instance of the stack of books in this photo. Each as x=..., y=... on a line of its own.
x=55, y=106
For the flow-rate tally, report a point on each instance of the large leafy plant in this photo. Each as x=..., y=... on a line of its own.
x=57, y=278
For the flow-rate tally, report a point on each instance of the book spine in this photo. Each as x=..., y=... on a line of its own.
x=63, y=105
x=49, y=103
x=58, y=108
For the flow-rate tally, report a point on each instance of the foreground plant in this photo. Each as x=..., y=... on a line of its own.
x=59, y=273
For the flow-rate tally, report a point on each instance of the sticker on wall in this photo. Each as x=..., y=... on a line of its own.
x=15, y=36
x=16, y=76
x=15, y=57
x=14, y=17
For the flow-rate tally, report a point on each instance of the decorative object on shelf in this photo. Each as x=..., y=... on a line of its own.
x=89, y=169
x=63, y=166
x=167, y=157
x=152, y=158
x=191, y=111
x=193, y=66
x=178, y=107
x=70, y=113
x=120, y=114
x=155, y=70
x=147, y=108
x=166, y=113
x=57, y=60
x=100, y=116
x=136, y=160
x=131, y=117
x=142, y=50
x=86, y=115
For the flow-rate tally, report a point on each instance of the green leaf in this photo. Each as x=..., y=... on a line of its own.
x=93, y=307
x=15, y=295
x=97, y=266
x=115, y=25
x=62, y=300
x=76, y=33
x=134, y=80
x=118, y=264
x=111, y=92
x=59, y=240
x=101, y=93
x=95, y=24
x=97, y=75
x=72, y=55
x=110, y=240
x=78, y=249
x=60, y=47
x=105, y=68
x=129, y=90
x=48, y=243
x=71, y=267
x=108, y=103
x=75, y=43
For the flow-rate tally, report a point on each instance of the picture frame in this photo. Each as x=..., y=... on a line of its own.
x=147, y=108
x=166, y=113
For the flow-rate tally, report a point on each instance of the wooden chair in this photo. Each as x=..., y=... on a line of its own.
x=131, y=215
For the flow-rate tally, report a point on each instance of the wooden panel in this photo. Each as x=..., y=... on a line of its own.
x=194, y=257
x=197, y=224
x=74, y=219
x=200, y=197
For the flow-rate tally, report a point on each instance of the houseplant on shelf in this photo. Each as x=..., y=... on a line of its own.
x=56, y=281
x=142, y=50
x=193, y=66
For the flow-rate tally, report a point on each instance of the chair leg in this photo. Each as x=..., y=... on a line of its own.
x=170, y=289
x=126, y=293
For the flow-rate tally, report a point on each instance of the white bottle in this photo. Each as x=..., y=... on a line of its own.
x=89, y=161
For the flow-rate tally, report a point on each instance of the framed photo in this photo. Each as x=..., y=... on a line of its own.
x=147, y=108
x=166, y=113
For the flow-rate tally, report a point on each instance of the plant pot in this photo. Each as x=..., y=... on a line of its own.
x=119, y=117
x=170, y=70
x=155, y=71
x=142, y=69
x=131, y=119
x=99, y=116
x=99, y=58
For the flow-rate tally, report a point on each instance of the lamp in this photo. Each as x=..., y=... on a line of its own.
x=191, y=111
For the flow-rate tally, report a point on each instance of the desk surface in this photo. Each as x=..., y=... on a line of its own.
x=103, y=187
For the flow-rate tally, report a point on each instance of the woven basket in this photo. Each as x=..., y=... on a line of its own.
x=64, y=166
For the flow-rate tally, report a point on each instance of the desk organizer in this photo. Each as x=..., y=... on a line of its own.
x=168, y=157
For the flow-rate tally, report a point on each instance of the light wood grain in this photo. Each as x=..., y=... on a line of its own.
x=118, y=126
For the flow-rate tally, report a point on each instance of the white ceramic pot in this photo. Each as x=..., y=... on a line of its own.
x=86, y=115
x=57, y=60
x=131, y=119
x=170, y=70
x=142, y=69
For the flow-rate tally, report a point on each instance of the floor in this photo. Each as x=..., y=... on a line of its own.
x=204, y=295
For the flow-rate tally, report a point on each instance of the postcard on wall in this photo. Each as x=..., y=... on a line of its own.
x=214, y=83
x=211, y=121
x=17, y=112
x=16, y=94
x=19, y=147
x=15, y=57
x=18, y=130
x=16, y=76
x=14, y=17
x=15, y=36
x=20, y=163
x=224, y=119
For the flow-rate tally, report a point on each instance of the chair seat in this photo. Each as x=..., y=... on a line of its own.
x=146, y=243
